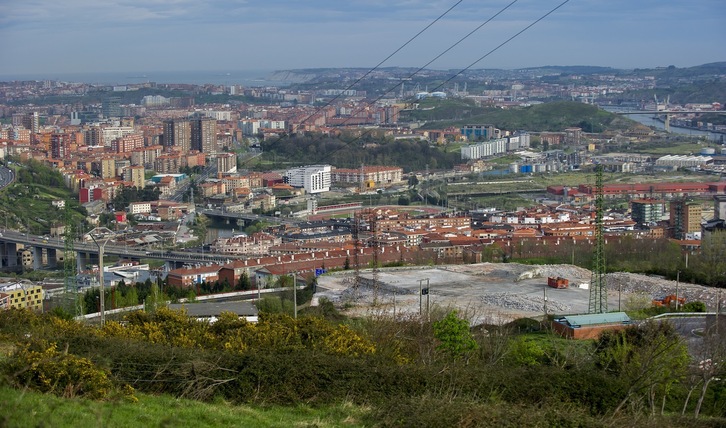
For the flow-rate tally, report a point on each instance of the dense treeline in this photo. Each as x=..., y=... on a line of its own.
x=553, y=116
x=126, y=195
x=35, y=172
x=410, y=371
x=352, y=152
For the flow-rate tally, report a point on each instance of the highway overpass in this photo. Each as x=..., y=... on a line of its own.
x=48, y=251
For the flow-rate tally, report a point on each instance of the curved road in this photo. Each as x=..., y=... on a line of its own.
x=7, y=176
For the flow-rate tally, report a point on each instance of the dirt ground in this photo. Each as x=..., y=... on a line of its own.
x=495, y=292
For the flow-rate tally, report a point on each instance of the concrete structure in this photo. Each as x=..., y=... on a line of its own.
x=135, y=175
x=313, y=178
x=686, y=219
x=719, y=207
x=189, y=277
x=178, y=135
x=111, y=107
x=204, y=135
x=683, y=161
x=258, y=244
x=646, y=211
x=139, y=208
x=478, y=132
x=378, y=175
x=21, y=295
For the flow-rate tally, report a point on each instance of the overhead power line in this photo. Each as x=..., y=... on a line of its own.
x=503, y=43
x=367, y=73
x=363, y=134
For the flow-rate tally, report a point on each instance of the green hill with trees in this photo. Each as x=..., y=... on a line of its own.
x=554, y=116
x=26, y=203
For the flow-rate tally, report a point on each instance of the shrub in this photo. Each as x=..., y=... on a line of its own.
x=41, y=367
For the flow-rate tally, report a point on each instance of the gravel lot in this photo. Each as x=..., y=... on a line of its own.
x=494, y=292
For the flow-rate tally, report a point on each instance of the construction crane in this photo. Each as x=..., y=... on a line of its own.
x=598, y=286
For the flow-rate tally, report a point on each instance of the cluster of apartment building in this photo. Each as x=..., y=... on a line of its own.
x=21, y=295
x=388, y=235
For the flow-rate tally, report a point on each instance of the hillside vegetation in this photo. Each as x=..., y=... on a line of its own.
x=403, y=372
x=555, y=116
x=26, y=204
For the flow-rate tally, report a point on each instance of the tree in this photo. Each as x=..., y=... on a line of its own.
x=244, y=282
x=649, y=359
x=711, y=263
x=708, y=365
x=454, y=336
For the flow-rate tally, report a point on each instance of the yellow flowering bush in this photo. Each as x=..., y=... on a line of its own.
x=41, y=367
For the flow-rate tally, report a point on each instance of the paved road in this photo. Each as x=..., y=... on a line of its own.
x=7, y=176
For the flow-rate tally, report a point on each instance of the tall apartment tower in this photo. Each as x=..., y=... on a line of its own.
x=204, y=135
x=646, y=211
x=111, y=107
x=178, y=135
x=135, y=175
x=60, y=146
x=29, y=121
x=719, y=206
x=108, y=167
x=686, y=219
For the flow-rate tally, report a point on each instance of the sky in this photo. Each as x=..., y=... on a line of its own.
x=76, y=36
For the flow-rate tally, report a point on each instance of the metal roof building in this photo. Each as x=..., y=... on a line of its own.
x=591, y=325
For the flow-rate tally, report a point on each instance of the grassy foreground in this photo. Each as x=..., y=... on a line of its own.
x=32, y=409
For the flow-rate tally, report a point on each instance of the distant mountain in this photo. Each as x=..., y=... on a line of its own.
x=571, y=69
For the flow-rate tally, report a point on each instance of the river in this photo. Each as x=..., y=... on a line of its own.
x=648, y=120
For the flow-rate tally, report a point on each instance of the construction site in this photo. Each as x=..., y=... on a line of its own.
x=496, y=293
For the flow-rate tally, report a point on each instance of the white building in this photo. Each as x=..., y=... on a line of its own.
x=683, y=161
x=484, y=149
x=222, y=115
x=111, y=133
x=154, y=101
x=313, y=178
x=139, y=208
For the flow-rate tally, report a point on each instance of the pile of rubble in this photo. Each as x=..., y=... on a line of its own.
x=517, y=302
x=656, y=287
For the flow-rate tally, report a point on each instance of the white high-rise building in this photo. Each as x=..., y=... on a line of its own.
x=313, y=178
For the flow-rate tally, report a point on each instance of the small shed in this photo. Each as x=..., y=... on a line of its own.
x=591, y=325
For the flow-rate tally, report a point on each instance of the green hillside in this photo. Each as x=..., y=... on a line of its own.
x=26, y=204
x=555, y=116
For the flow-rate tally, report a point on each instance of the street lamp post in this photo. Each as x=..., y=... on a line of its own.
x=101, y=243
x=678, y=280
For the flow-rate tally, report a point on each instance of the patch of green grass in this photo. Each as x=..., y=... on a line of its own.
x=31, y=409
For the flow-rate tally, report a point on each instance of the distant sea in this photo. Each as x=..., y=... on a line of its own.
x=225, y=77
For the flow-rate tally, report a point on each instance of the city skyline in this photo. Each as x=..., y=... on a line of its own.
x=76, y=36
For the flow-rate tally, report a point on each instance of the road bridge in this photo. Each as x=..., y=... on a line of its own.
x=667, y=113
x=46, y=251
x=240, y=219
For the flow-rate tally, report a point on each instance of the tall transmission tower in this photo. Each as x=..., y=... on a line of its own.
x=598, y=286
x=369, y=218
x=70, y=280
x=356, y=248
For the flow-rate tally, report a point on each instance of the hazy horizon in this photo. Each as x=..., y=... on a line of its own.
x=126, y=36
